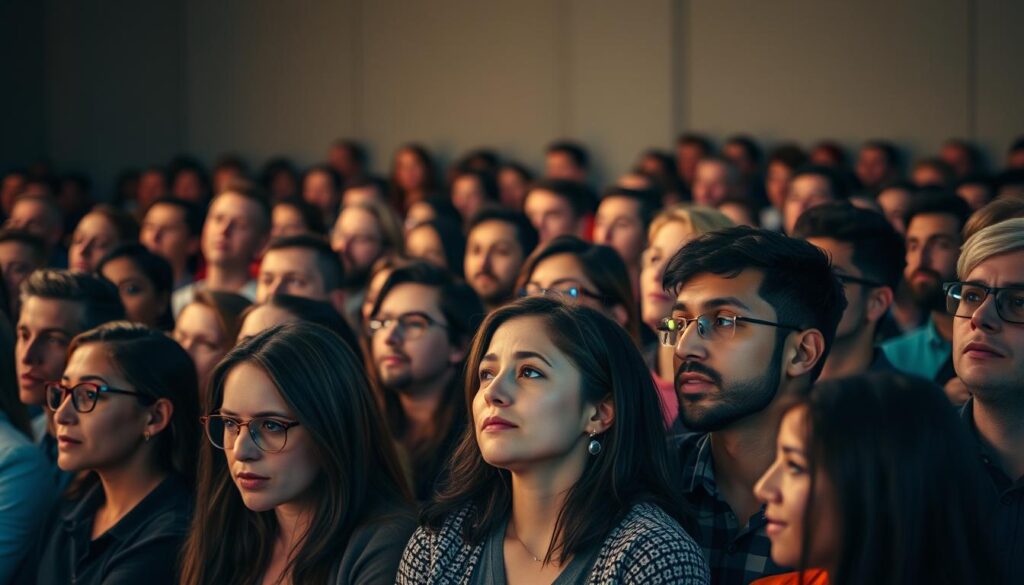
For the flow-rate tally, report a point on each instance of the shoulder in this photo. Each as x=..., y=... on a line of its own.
x=434, y=555
x=375, y=548
x=907, y=342
x=21, y=461
x=649, y=546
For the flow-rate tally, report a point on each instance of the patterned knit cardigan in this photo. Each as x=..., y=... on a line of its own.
x=647, y=547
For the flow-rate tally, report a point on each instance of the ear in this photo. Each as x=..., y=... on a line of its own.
x=602, y=417
x=458, y=353
x=806, y=349
x=878, y=304
x=159, y=416
x=337, y=299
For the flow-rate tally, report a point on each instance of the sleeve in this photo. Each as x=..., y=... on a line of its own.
x=26, y=496
x=381, y=550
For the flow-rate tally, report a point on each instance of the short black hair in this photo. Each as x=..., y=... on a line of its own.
x=486, y=180
x=327, y=262
x=878, y=249
x=573, y=150
x=835, y=181
x=790, y=155
x=580, y=197
x=155, y=267
x=649, y=200
x=193, y=213
x=99, y=298
x=526, y=234
x=311, y=216
x=934, y=200
x=695, y=139
x=798, y=279
x=749, y=146
x=36, y=244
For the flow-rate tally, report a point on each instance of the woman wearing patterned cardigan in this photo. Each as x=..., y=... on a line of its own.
x=563, y=475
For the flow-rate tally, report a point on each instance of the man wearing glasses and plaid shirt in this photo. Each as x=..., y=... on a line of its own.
x=754, y=318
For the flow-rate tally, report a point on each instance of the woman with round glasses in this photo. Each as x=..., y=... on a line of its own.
x=299, y=482
x=563, y=474
x=124, y=415
x=579, y=272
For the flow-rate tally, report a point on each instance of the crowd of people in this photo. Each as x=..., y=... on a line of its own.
x=724, y=368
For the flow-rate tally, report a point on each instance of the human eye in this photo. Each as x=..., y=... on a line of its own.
x=271, y=426
x=486, y=375
x=530, y=372
x=972, y=295
x=56, y=340
x=725, y=320
x=414, y=322
x=794, y=467
x=230, y=424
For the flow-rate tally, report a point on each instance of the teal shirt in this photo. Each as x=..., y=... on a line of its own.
x=921, y=352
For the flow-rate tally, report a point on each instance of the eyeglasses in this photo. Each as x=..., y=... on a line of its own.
x=847, y=279
x=710, y=326
x=568, y=291
x=270, y=435
x=411, y=325
x=964, y=298
x=85, y=395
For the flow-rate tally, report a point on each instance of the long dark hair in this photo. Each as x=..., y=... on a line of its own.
x=321, y=380
x=634, y=464
x=156, y=269
x=906, y=481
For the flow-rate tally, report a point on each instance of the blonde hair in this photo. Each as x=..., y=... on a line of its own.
x=997, y=239
x=994, y=212
x=699, y=218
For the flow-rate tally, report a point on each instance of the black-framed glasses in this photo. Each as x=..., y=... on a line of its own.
x=710, y=326
x=410, y=325
x=964, y=298
x=848, y=279
x=85, y=395
x=565, y=290
x=269, y=434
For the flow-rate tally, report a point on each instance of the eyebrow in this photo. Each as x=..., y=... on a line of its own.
x=49, y=330
x=261, y=414
x=714, y=304
x=88, y=378
x=519, y=355
x=793, y=451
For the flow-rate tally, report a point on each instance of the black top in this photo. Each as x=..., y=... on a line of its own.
x=142, y=547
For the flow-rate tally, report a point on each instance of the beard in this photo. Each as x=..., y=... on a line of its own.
x=928, y=295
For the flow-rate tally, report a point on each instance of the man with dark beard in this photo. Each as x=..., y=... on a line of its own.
x=498, y=242
x=754, y=318
x=934, y=224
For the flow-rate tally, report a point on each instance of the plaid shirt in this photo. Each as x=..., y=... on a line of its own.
x=736, y=554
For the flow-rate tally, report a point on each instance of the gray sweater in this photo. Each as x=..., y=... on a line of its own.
x=374, y=550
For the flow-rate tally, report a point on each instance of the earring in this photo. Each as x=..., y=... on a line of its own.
x=146, y=435
x=594, y=447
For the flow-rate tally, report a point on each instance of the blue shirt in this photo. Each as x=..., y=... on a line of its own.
x=920, y=352
x=27, y=493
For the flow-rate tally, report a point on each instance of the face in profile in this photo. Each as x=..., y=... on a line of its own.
x=265, y=480
x=618, y=224
x=45, y=328
x=655, y=303
x=94, y=236
x=142, y=302
x=357, y=240
x=493, y=259
x=198, y=331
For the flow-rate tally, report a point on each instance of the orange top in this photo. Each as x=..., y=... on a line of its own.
x=811, y=577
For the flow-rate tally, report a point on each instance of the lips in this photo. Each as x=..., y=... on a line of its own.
x=392, y=360
x=774, y=526
x=67, y=442
x=251, y=481
x=692, y=383
x=978, y=350
x=497, y=424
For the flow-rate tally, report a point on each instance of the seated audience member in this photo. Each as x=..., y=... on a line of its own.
x=280, y=180
x=895, y=199
x=348, y=158
x=413, y=177
x=1015, y=154
x=847, y=506
x=558, y=207
x=669, y=231
x=782, y=163
x=565, y=160
x=828, y=153
x=125, y=411
x=934, y=225
x=1009, y=184
x=580, y=272
x=717, y=179
x=659, y=165
x=379, y=274
x=295, y=217
x=321, y=188
x=143, y=280
x=21, y=254
x=237, y=227
x=303, y=266
x=363, y=233
x=152, y=186
x=931, y=172
x=429, y=209
x=621, y=224
x=207, y=328
x=172, y=228
x=998, y=211
x=976, y=190
x=279, y=502
x=472, y=191
x=228, y=169
x=988, y=354
x=189, y=181
x=10, y=188
x=419, y=334
x=440, y=242
x=811, y=186
x=538, y=490
x=867, y=256
x=690, y=149
x=498, y=244
x=754, y=317
x=962, y=158
x=877, y=164
x=279, y=309
x=367, y=189
x=514, y=182
x=41, y=217
x=744, y=153
x=126, y=192
x=99, y=232
x=741, y=210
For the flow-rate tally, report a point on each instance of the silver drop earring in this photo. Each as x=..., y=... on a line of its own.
x=594, y=447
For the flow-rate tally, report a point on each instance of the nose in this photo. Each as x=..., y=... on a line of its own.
x=986, y=316
x=499, y=391
x=32, y=354
x=245, y=448
x=488, y=263
x=690, y=345
x=766, y=489
x=65, y=414
x=394, y=336
x=274, y=287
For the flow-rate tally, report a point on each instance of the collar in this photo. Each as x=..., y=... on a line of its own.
x=699, y=468
x=167, y=495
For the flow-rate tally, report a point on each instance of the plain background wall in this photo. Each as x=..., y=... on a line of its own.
x=102, y=86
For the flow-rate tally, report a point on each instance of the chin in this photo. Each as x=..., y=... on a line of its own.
x=258, y=502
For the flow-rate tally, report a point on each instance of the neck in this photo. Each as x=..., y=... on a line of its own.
x=943, y=324
x=293, y=521
x=850, y=355
x=125, y=485
x=229, y=277
x=741, y=454
x=539, y=495
x=1001, y=428
x=420, y=406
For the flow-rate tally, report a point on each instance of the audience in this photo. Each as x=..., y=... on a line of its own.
x=363, y=233
x=691, y=148
x=321, y=188
x=716, y=180
x=514, y=182
x=558, y=207
x=472, y=191
x=98, y=233
x=143, y=280
x=302, y=266
x=280, y=180
x=21, y=254
x=348, y=158
x=440, y=242
x=430, y=209
x=895, y=200
x=498, y=244
x=621, y=224
x=207, y=328
x=171, y=228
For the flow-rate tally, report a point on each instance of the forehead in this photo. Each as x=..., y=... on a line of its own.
x=672, y=234
x=793, y=428
x=1000, y=270
x=289, y=259
x=704, y=288
x=840, y=253
x=618, y=206
x=521, y=334
x=93, y=359
x=924, y=225
x=408, y=296
x=558, y=267
x=542, y=199
x=165, y=212
x=39, y=313
x=356, y=219
x=28, y=208
x=234, y=204
x=198, y=318
x=711, y=167
x=94, y=222
x=810, y=182
x=493, y=231
x=119, y=268
x=283, y=213
x=249, y=390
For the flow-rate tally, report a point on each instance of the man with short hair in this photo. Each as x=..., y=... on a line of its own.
x=348, y=158
x=420, y=332
x=962, y=157
x=868, y=258
x=690, y=149
x=497, y=245
x=566, y=160
x=21, y=254
x=716, y=180
x=236, y=229
x=988, y=354
x=621, y=223
x=808, y=187
x=753, y=321
x=877, y=164
x=40, y=216
x=558, y=208
x=301, y=266
x=171, y=229
x=365, y=190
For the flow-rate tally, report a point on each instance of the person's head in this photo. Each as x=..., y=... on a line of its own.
x=766, y=309
x=1015, y=154
x=363, y=190
x=932, y=172
x=976, y=190
x=498, y=243
x=995, y=212
x=57, y=305
x=566, y=160
x=294, y=217
x=484, y=160
x=542, y=381
x=363, y=233
x=13, y=182
x=280, y=179
x=207, y=328
x=894, y=199
x=280, y=308
x=828, y=153
x=558, y=207
x=321, y=188
x=21, y=253
x=127, y=398
x=152, y=186
x=289, y=417
x=782, y=163
x=877, y=163
x=716, y=179
x=302, y=266
x=144, y=281
x=189, y=181
x=868, y=257
x=808, y=187
x=99, y=232
x=348, y=158
x=744, y=153
x=73, y=195
x=228, y=169
x=473, y=190
x=988, y=331
x=429, y=209
x=622, y=219
x=379, y=273
x=962, y=157
x=583, y=273
x=934, y=223
x=670, y=230
x=898, y=503
x=39, y=216
x=513, y=182
x=690, y=149
x=741, y=210
x=412, y=174
x=172, y=228
x=440, y=242
x=237, y=226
